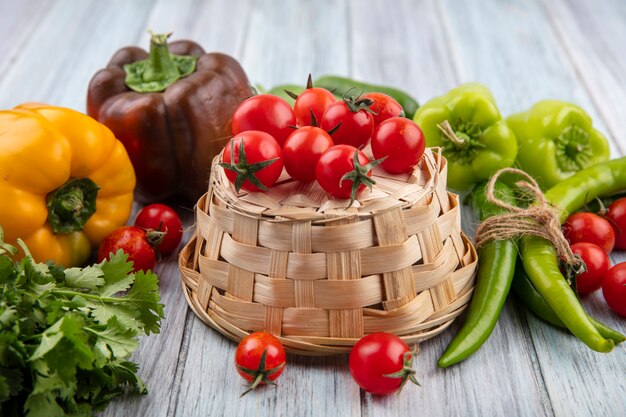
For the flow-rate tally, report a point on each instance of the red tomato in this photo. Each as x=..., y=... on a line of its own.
x=378, y=355
x=267, y=113
x=589, y=227
x=357, y=124
x=334, y=164
x=614, y=288
x=401, y=141
x=248, y=359
x=597, y=264
x=133, y=241
x=384, y=106
x=617, y=217
x=302, y=149
x=161, y=218
x=314, y=100
x=259, y=149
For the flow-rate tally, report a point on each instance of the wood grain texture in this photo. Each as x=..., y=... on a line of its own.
x=523, y=50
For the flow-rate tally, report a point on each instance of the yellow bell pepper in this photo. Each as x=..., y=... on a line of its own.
x=65, y=182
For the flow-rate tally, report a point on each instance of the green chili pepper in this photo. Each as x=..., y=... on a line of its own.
x=538, y=305
x=339, y=85
x=496, y=264
x=478, y=143
x=556, y=139
x=539, y=256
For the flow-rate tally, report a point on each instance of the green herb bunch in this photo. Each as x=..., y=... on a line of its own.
x=66, y=334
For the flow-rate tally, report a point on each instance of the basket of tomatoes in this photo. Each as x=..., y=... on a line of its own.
x=325, y=222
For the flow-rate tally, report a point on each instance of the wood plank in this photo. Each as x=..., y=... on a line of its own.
x=417, y=57
x=67, y=47
x=592, y=34
x=512, y=47
x=284, y=42
x=19, y=20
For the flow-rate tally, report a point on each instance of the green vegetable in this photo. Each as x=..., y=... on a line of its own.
x=538, y=305
x=539, y=256
x=556, y=139
x=281, y=91
x=66, y=334
x=477, y=141
x=496, y=264
x=339, y=85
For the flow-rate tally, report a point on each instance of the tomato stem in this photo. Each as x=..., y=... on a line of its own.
x=244, y=170
x=359, y=176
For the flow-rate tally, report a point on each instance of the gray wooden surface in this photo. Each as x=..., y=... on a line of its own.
x=524, y=50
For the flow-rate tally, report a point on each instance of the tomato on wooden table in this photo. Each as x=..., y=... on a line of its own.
x=401, y=142
x=614, y=288
x=597, y=264
x=589, y=227
x=252, y=161
x=267, y=113
x=616, y=214
x=133, y=241
x=302, y=149
x=350, y=120
x=384, y=107
x=381, y=363
x=260, y=358
x=161, y=218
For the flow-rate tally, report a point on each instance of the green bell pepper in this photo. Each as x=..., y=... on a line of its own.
x=479, y=142
x=556, y=139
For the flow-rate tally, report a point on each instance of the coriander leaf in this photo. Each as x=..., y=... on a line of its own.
x=102, y=312
x=42, y=405
x=50, y=338
x=145, y=296
x=116, y=339
x=117, y=274
x=12, y=378
x=90, y=277
x=7, y=270
x=126, y=373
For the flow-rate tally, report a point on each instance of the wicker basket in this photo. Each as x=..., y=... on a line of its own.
x=295, y=263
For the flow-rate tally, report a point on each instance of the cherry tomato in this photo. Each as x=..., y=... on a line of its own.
x=302, y=149
x=589, y=227
x=248, y=357
x=334, y=164
x=617, y=217
x=267, y=113
x=357, y=124
x=375, y=357
x=614, y=288
x=597, y=263
x=314, y=100
x=401, y=141
x=161, y=218
x=384, y=106
x=134, y=242
x=258, y=174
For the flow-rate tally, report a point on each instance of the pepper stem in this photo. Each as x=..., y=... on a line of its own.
x=160, y=65
x=71, y=205
x=447, y=130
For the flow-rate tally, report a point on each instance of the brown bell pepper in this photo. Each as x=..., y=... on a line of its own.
x=172, y=109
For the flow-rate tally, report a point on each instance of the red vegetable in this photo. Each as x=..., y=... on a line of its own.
x=589, y=227
x=384, y=107
x=616, y=215
x=401, y=142
x=135, y=242
x=597, y=264
x=312, y=100
x=256, y=165
x=614, y=288
x=381, y=363
x=260, y=359
x=343, y=171
x=302, y=149
x=161, y=218
x=267, y=113
x=354, y=118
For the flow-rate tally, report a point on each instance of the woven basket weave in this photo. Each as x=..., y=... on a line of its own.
x=295, y=263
